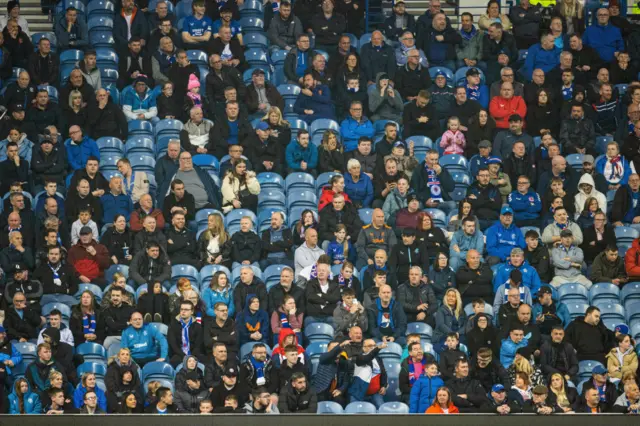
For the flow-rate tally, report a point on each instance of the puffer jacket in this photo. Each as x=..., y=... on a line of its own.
x=619, y=364
x=581, y=196
x=78, y=397
x=424, y=392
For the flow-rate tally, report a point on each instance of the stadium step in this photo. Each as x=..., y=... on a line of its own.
x=32, y=12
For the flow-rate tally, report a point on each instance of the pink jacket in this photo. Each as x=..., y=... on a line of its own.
x=449, y=142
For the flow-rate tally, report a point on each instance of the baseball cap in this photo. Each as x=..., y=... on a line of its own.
x=540, y=390
x=399, y=144
x=262, y=126
x=506, y=210
x=566, y=233
x=473, y=71
x=544, y=290
x=587, y=159
x=85, y=230
x=440, y=73
x=493, y=160
x=16, y=106
x=257, y=71
x=412, y=197
x=18, y=267
x=230, y=372
x=408, y=232
x=622, y=329
x=484, y=144
x=141, y=79
x=497, y=388
x=599, y=369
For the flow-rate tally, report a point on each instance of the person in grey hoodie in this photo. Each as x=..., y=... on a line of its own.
x=261, y=403
x=396, y=200
x=463, y=240
x=284, y=28
x=90, y=70
x=309, y=252
x=385, y=103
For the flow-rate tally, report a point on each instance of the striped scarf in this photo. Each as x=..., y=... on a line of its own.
x=284, y=320
x=89, y=324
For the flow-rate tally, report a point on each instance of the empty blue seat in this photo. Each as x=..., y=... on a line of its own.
x=573, y=292
x=392, y=365
x=271, y=198
x=576, y=308
x=631, y=291
x=454, y=162
x=392, y=351
x=438, y=217
x=198, y=57
x=360, y=407
x=626, y=234
x=71, y=57
x=158, y=370
x=206, y=162
x=575, y=161
x=109, y=76
x=424, y=330
x=91, y=352
x=185, y=271
x=365, y=215
x=99, y=39
x=393, y=408
x=321, y=124
x=255, y=41
x=611, y=311
x=607, y=292
x=100, y=8
x=299, y=180
x=315, y=349
x=100, y=23
x=299, y=197
x=252, y=8
x=106, y=58
x=269, y=180
x=145, y=163
x=110, y=144
x=140, y=144
x=123, y=269
x=329, y=407
x=28, y=350
x=318, y=331
x=252, y=24
x=169, y=127
x=64, y=310
x=420, y=143
x=289, y=91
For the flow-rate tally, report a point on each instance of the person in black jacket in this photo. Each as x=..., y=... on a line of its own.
x=305, y=10
x=224, y=41
x=420, y=117
x=222, y=329
x=105, y=118
x=591, y=339
x=321, y=304
x=246, y=248
x=438, y=42
x=179, y=200
x=193, y=344
x=391, y=29
x=21, y=322
x=484, y=198
x=82, y=199
x=132, y=63
x=474, y=279
x=488, y=370
x=249, y=285
x=179, y=73
x=261, y=103
x=412, y=77
x=263, y=149
x=220, y=132
x=44, y=66
x=467, y=393
x=115, y=319
x=286, y=287
x=558, y=356
x=417, y=298
x=328, y=26
x=337, y=213
x=277, y=243
x=182, y=247
x=408, y=254
x=483, y=334
x=221, y=77
x=59, y=280
x=48, y=163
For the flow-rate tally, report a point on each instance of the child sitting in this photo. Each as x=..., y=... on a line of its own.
x=341, y=249
x=193, y=97
x=450, y=354
x=84, y=219
x=453, y=140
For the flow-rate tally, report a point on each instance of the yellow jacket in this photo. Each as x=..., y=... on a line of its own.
x=629, y=363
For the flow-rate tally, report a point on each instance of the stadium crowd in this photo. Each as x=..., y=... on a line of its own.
x=238, y=207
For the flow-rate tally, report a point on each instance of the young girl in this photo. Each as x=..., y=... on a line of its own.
x=340, y=249
x=193, y=97
x=453, y=140
x=346, y=279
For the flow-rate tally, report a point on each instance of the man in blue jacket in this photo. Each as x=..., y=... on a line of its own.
x=525, y=203
x=530, y=277
x=354, y=127
x=115, y=201
x=301, y=155
x=387, y=320
x=511, y=344
x=603, y=37
x=314, y=100
x=10, y=357
x=79, y=148
x=502, y=237
x=544, y=55
x=143, y=341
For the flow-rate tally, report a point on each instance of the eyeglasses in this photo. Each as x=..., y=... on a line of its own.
x=91, y=398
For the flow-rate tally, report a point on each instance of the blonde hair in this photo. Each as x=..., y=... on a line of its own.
x=561, y=394
x=53, y=374
x=153, y=386
x=117, y=276
x=114, y=357
x=458, y=310
x=75, y=94
x=522, y=365
x=281, y=120
x=218, y=229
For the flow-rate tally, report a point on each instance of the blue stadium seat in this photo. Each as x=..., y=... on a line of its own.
x=630, y=292
x=576, y=308
x=64, y=310
x=329, y=407
x=162, y=328
x=299, y=180
x=99, y=39
x=271, y=275
x=198, y=57
x=123, y=269
x=573, y=292
x=575, y=161
x=438, y=216
x=277, y=58
x=100, y=8
x=35, y=39
x=392, y=366
x=321, y=124
x=109, y=76
x=301, y=198
x=28, y=350
x=601, y=144
x=248, y=347
x=110, y=145
x=154, y=3
x=140, y=144
x=182, y=10
x=114, y=93
x=360, y=407
x=106, y=58
x=207, y=272
x=420, y=143
x=140, y=128
x=454, y=162
x=202, y=216
x=252, y=24
x=365, y=215
x=392, y=351
x=252, y=9
x=424, y=330
x=607, y=292
x=585, y=368
x=142, y=162
x=97, y=368
x=315, y=349
x=255, y=41
x=168, y=127
x=234, y=216
x=460, y=76
x=289, y=91
x=92, y=352
x=269, y=180
x=433, y=71
x=318, y=331
x=611, y=311
x=93, y=288
x=393, y=408
x=626, y=234
x=100, y=23
x=158, y=370
x=71, y=57
x=271, y=198
x=206, y=162
x=635, y=330
x=632, y=309
x=185, y=271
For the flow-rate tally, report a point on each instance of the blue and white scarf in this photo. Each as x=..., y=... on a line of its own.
x=186, y=346
x=433, y=183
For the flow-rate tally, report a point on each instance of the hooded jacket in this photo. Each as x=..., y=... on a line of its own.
x=492, y=374
x=602, y=270
x=591, y=342
x=143, y=342
x=478, y=338
x=619, y=363
x=31, y=402
x=423, y=393
x=258, y=321
x=115, y=387
x=188, y=400
x=329, y=219
x=385, y=107
x=581, y=196
x=78, y=397
x=530, y=277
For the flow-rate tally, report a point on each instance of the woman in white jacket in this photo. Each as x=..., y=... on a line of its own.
x=240, y=188
x=586, y=189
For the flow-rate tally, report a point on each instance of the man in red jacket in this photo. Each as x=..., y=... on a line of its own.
x=503, y=106
x=89, y=258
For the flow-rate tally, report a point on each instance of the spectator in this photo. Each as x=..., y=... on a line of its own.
x=18, y=43
x=309, y=252
x=397, y=25
x=197, y=29
x=567, y=260
x=425, y=388
x=115, y=318
x=129, y=24
x=89, y=258
x=322, y=297
x=604, y=37
x=417, y=298
x=13, y=169
x=525, y=202
x=225, y=20
x=551, y=234
x=358, y=185
x=80, y=148
x=622, y=359
x=298, y=60
x=443, y=96
x=59, y=279
x=439, y=41
x=105, y=118
x=144, y=341
x=44, y=67
x=314, y=100
x=230, y=50
x=115, y=201
x=328, y=26
x=301, y=154
x=285, y=29
x=376, y=235
x=44, y=113
x=609, y=267
x=149, y=265
x=330, y=155
x=499, y=51
x=623, y=210
x=261, y=96
x=387, y=319
x=450, y=317
x=503, y=107
x=627, y=402
x=377, y=57
x=355, y=127
x=601, y=386
x=181, y=242
x=277, y=242
x=240, y=189
x=469, y=51
x=185, y=336
x=408, y=45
